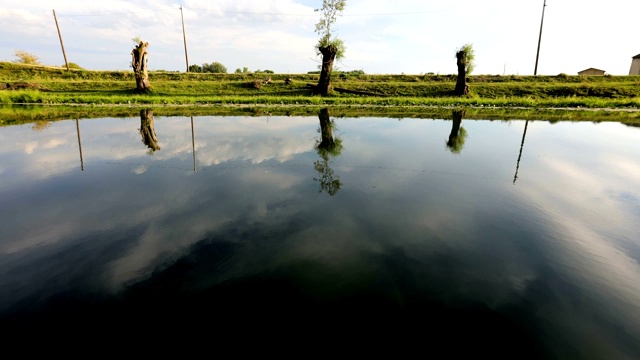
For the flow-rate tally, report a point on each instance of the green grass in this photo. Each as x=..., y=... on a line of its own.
x=57, y=86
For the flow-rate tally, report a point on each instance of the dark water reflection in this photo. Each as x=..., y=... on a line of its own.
x=320, y=231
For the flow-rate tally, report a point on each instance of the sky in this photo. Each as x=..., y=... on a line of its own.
x=381, y=36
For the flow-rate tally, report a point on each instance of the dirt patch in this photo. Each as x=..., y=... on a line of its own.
x=23, y=86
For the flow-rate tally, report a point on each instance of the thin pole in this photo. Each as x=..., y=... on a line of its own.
x=193, y=145
x=61, y=43
x=184, y=36
x=521, y=146
x=79, y=145
x=535, y=71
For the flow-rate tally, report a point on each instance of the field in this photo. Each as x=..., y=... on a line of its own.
x=492, y=96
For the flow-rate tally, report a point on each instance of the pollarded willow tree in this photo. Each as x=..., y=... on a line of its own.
x=329, y=46
x=139, y=64
x=465, y=61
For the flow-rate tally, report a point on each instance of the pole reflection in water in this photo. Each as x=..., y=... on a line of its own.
x=148, y=131
x=515, y=177
x=327, y=147
x=458, y=134
x=79, y=145
x=193, y=145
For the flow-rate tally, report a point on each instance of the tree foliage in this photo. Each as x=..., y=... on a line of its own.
x=214, y=67
x=458, y=134
x=456, y=143
x=23, y=57
x=195, y=68
x=330, y=11
x=468, y=57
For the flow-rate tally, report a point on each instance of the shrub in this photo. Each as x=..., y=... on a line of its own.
x=24, y=57
x=74, y=66
x=214, y=67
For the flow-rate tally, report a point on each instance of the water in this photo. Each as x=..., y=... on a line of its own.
x=518, y=239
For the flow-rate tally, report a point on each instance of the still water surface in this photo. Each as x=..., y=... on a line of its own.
x=464, y=236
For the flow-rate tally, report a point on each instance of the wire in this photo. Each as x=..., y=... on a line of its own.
x=62, y=14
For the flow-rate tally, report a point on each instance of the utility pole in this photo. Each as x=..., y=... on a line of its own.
x=184, y=36
x=535, y=71
x=60, y=36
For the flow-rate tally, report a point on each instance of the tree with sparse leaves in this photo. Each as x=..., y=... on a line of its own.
x=329, y=46
x=23, y=57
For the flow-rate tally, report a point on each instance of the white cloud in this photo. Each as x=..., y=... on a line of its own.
x=410, y=36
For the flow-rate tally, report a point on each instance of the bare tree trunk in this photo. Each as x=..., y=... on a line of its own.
x=139, y=65
x=147, y=130
x=328, y=56
x=462, y=88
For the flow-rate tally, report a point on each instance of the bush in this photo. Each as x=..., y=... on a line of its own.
x=24, y=57
x=195, y=68
x=214, y=67
x=74, y=66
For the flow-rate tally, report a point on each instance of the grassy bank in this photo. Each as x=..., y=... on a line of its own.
x=18, y=115
x=55, y=86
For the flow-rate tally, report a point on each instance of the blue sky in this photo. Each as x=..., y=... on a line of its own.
x=382, y=37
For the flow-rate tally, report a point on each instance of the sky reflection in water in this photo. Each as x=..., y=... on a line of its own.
x=306, y=220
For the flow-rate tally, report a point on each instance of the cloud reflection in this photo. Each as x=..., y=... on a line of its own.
x=406, y=233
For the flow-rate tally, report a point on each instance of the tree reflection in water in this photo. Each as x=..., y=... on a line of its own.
x=458, y=134
x=327, y=147
x=148, y=131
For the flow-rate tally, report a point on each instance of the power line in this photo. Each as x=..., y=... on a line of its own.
x=248, y=13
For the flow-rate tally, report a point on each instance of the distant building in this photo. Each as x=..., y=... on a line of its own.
x=591, y=71
x=635, y=65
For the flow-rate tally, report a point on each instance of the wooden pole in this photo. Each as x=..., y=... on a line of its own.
x=184, y=36
x=535, y=71
x=66, y=63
